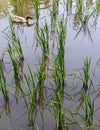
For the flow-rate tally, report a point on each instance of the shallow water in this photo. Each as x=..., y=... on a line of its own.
x=76, y=49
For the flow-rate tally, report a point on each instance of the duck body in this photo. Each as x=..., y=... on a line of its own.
x=19, y=19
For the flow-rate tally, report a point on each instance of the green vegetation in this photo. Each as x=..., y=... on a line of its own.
x=88, y=113
x=59, y=76
x=36, y=8
x=32, y=95
x=4, y=91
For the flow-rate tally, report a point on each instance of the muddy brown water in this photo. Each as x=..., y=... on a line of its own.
x=76, y=49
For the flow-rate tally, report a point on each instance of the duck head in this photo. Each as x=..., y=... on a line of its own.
x=27, y=19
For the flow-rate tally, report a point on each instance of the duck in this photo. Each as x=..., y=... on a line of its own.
x=19, y=19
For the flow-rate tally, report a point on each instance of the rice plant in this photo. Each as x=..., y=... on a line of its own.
x=16, y=43
x=3, y=83
x=37, y=13
x=97, y=7
x=68, y=4
x=59, y=93
x=53, y=14
x=32, y=95
x=88, y=113
x=79, y=9
x=84, y=76
x=58, y=77
x=82, y=18
x=86, y=80
x=17, y=69
x=16, y=56
x=2, y=61
x=41, y=77
x=4, y=91
x=95, y=12
x=43, y=40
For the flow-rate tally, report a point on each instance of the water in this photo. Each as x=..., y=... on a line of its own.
x=76, y=49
